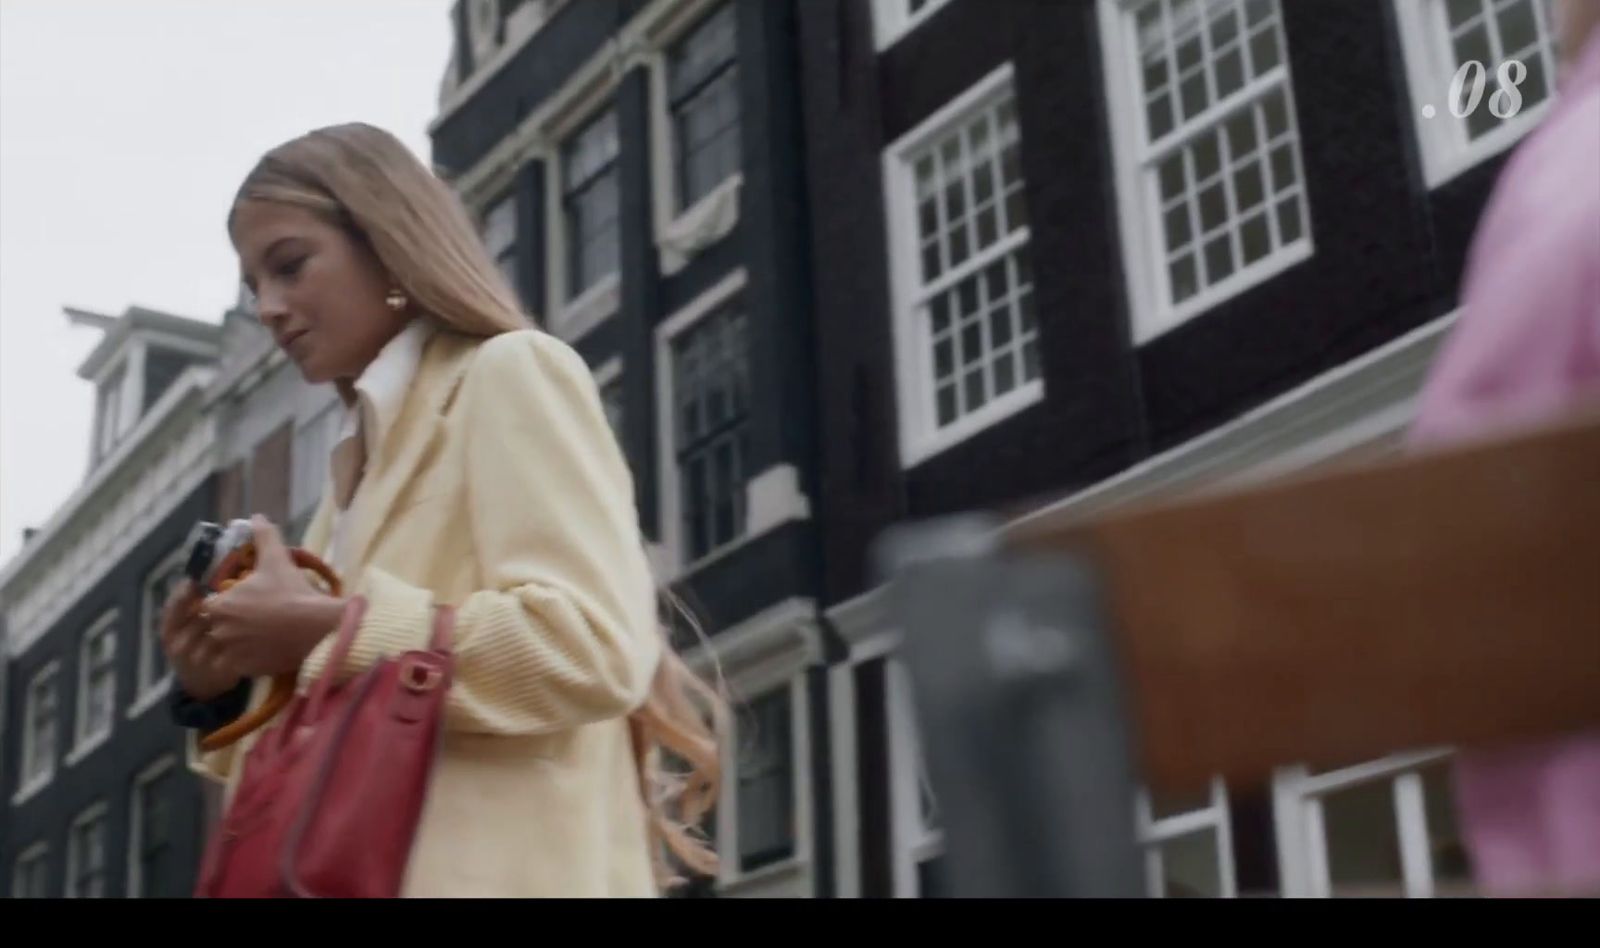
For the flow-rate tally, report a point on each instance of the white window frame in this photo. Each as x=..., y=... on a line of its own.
x=36, y=778
x=85, y=740
x=676, y=561
x=609, y=373
x=97, y=811
x=572, y=319
x=920, y=437
x=1143, y=236
x=37, y=853
x=506, y=196
x=149, y=692
x=680, y=235
x=1302, y=834
x=1212, y=819
x=136, y=822
x=891, y=19
x=913, y=840
x=1447, y=152
x=767, y=652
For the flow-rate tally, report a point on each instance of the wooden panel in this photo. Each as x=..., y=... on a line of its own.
x=271, y=475
x=230, y=493
x=1452, y=599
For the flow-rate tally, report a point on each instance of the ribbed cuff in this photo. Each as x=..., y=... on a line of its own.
x=397, y=620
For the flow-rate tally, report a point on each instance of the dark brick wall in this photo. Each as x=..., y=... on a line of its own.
x=1388, y=254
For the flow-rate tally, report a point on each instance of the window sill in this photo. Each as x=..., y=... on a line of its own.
x=86, y=746
x=680, y=571
x=151, y=697
x=919, y=449
x=712, y=218
x=579, y=317
x=31, y=789
x=1159, y=323
x=1450, y=163
x=742, y=883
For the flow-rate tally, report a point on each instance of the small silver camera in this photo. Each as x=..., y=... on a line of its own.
x=209, y=544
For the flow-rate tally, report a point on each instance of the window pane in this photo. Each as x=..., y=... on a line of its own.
x=1256, y=237
x=1190, y=867
x=1219, y=259
x=765, y=805
x=1247, y=186
x=1289, y=222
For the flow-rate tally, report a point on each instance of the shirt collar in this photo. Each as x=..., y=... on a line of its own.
x=381, y=389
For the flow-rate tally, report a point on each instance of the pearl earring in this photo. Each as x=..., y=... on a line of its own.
x=396, y=300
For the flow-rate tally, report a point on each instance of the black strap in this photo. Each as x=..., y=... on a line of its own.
x=207, y=716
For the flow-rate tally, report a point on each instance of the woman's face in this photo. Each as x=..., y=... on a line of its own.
x=318, y=290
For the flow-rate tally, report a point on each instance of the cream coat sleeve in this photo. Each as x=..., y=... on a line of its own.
x=565, y=632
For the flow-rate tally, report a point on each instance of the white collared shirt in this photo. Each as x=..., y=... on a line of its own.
x=380, y=394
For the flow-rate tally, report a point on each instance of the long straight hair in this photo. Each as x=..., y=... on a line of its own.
x=366, y=181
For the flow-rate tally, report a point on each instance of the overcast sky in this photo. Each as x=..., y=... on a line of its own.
x=125, y=128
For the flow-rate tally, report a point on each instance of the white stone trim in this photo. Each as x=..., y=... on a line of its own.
x=1311, y=423
x=171, y=406
x=101, y=523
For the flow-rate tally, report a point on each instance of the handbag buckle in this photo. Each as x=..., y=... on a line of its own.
x=420, y=677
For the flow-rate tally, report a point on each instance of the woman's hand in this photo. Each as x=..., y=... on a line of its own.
x=266, y=624
x=185, y=638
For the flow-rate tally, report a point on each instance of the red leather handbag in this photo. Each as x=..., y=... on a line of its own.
x=330, y=797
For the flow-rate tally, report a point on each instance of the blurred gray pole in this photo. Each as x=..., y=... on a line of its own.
x=1019, y=704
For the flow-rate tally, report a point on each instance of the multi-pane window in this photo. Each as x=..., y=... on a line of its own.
x=766, y=804
x=153, y=666
x=589, y=201
x=703, y=100
x=97, y=680
x=1187, y=844
x=1220, y=153
x=969, y=334
x=1481, y=73
x=711, y=386
x=500, y=237
x=1494, y=32
x=157, y=870
x=30, y=874
x=86, y=855
x=42, y=716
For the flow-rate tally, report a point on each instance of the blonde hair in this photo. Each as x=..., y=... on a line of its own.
x=366, y=181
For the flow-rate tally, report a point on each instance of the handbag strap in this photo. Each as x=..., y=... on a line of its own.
x=354, y=611
x=444, y=621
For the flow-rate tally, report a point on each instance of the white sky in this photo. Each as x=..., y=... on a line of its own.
x=125, y=128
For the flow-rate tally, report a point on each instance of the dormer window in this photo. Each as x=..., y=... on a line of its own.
x=113, y=420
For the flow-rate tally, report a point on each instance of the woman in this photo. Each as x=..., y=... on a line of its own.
x=1527, y=349
x=476, y=469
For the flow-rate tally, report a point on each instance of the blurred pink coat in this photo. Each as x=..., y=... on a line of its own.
x=1527, y=347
